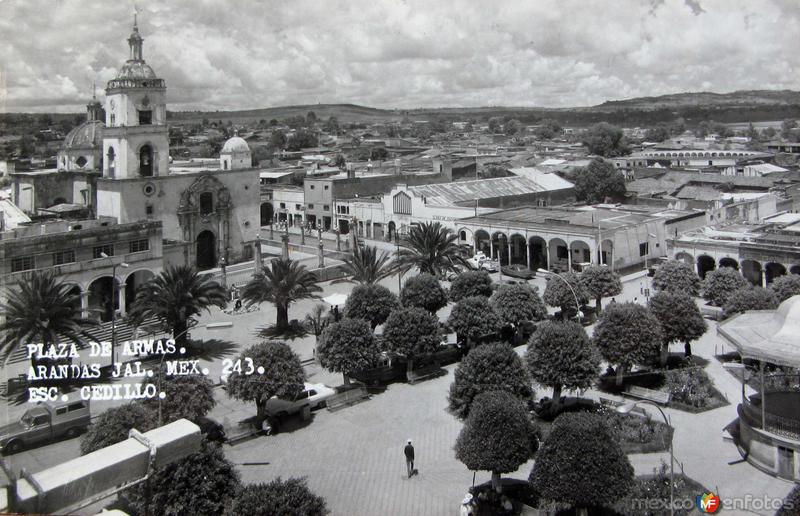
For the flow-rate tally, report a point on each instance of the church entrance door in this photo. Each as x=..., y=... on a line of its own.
x=206, y=250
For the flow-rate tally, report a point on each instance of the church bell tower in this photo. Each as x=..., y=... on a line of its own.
x=136, y=138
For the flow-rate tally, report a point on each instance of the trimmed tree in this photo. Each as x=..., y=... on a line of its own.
x=469, y=284
x=187, y=397
x=560, y=355
x=473, y=318
x=750, y=298
x=581, y=464
x=490, y=367
x=411, y=332
x=348, y=345
x=599, y=282
x=202, y=483
x=676, y=276
x=721, y=283
x=498, y=435
x=114, y=424
x=560, y=295
x=680, y=319
x=599, y=181
x=372, y=303
x=283, y=374
x=786, y=286
x=627, y=334
x=517, y=304
x=290, y=496
x=423, y=291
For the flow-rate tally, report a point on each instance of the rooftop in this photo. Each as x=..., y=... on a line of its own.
x=448, y=194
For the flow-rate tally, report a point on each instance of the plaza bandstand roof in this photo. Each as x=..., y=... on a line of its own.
x=768, y=335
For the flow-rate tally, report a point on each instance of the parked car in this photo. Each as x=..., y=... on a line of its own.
x=518, y=270
x=45, y=422
x=482, y=262
x=313, y=396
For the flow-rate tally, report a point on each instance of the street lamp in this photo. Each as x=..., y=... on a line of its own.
x=559, y=276
x=626, y=408
x=114, y=301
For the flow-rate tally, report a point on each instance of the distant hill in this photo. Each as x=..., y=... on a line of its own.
x=706, y=99
x=343, y=112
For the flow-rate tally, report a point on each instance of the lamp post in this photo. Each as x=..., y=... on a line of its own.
x=624, y=409
x=559, y=276
x=646, y=268
x=114, y=300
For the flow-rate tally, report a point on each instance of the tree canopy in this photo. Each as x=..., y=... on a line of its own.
x=600, y=281
x=786, y=286
x=627, y=334
x=372, y=303
x=497, y=436
x=605, y=140
x=676, y=276
x=680, y=319
x=469, y=284
x=283, y=374
x=560, y=355
x=423, y=291
x=488, y=367
x=411, y=331
x=516, y=304
x=113, y=426
x=278, y=497
x=559, y=295
x=599, y=181
x=721, y=283
x=581, y=464
x=474, y=318
x=368, y=265
x=749, y=298
x=187, y=397
x=202, y=483
x=432, y=248
x=283, y=283
x=348, y=345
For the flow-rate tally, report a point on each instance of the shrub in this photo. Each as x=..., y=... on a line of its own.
x=749, y=298
x=372, y=303
x=278, y=497
x=348, y=345
x=474, y=319
x=786, y=286
x=516, y=304
x=690, y=386
x=676, y=276
x=114, y=424
x=721, y=283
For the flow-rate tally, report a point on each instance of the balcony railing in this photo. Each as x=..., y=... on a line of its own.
x=780, y=425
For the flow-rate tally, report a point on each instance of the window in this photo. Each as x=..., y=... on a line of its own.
x=81, y=161
x=137, y=246
x=402, y=204
x=644, y=249
x=76, y=406
x=113, y=119
x=561, y=252
x=310, y=206
x=283, y=205
x=60, y=411
x=326, y=207
x=312, y=187
x=106, y=248
x=148, y=210
x=327, y=186
x=41, y=420
x=145, y=117
x=62, y=257
x=206, y=203
x=23, y=263
x=297, y=207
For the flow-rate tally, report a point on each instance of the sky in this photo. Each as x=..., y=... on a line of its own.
x=221, y=54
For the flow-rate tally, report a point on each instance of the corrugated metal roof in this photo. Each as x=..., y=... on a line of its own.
x=447, y=194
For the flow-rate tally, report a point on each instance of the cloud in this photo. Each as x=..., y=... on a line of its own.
x=386, y=53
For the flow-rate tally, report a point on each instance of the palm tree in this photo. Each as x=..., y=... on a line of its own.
x=175, y=296
x=283, y=283
x=45, y=310
x=316, y=321
x=431, y=248
x=366, y=266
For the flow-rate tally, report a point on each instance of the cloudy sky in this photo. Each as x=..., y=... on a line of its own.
x=221, y=54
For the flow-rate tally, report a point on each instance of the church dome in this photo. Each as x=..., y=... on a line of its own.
x=136, y=70
x=88, y=135
x=235, y=144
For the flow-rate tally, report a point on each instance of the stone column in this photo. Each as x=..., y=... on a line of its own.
x=285, y=250
x=121, y=288
x=528, y=253
x=509, y=251
x=491, y=247
x=302, y=235
x=84, y=304
x=321, y=254
x=569, y=256
x=258, y=264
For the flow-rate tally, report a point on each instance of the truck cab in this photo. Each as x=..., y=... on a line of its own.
x=45, y=422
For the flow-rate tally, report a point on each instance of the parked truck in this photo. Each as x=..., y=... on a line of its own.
x=45, y=422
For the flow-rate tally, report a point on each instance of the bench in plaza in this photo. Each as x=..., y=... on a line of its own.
x=660, y=397
x=431, y=371
x=607, y=402
x=346, y=398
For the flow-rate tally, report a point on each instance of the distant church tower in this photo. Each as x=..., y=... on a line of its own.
x=136, y=138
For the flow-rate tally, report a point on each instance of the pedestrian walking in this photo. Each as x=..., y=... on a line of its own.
x=613, y=301
x=409, y=453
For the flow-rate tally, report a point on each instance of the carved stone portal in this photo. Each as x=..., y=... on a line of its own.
x=193, y=222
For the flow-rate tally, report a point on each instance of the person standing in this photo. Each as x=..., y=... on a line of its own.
x=409, y=452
